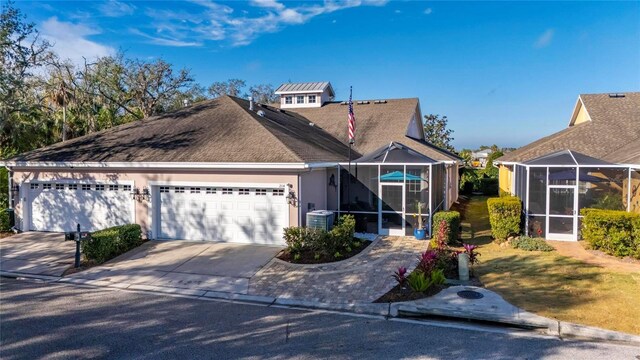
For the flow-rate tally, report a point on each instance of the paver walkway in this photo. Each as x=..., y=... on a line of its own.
x=575, y=250
x=364, y=277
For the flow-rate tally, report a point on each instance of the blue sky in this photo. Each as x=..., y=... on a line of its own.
x=503, y=72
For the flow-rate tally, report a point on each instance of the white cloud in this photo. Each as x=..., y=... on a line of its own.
x=114, y=8
x=428, y=11
x=397, y=11
x=545, y=39
x=71, y=40
x=165, y=41
x=217, y=22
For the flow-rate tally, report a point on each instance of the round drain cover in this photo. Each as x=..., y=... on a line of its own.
x=470, y=294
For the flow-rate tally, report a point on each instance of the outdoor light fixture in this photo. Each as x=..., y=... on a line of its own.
x=143, y=195
x=332, y=181
x=291, y=196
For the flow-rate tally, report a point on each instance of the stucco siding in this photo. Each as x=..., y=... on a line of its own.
x=506, y=178
x=313, y=192
x=142, y=179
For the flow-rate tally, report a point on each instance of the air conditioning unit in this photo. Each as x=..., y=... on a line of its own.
x=320, y=219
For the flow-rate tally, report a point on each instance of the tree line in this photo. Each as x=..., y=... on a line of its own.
x=45, y=98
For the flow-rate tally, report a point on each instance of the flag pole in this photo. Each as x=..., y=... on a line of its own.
x=351, y=140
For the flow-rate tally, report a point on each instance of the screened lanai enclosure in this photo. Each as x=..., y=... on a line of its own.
x=385, y=189
x=554, y=188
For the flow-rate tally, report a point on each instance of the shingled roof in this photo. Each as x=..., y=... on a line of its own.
x=612, y=134
x=220, y=130
x=377, y=124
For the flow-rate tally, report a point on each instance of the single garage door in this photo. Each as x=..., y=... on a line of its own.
x=60, y=206
x=232, y=214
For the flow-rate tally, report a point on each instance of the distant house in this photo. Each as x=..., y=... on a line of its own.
x=594, y=162
x=479, y=158
x=233, y=170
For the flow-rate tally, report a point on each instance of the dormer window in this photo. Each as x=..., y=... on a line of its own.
x=304, y=95
x=288, y=99
x=312, y=99
x=300, y=99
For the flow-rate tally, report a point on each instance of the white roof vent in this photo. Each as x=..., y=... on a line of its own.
x=312, y=124
x=260, y=113
x=380, y=102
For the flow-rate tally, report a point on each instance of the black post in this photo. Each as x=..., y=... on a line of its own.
x=77, y=263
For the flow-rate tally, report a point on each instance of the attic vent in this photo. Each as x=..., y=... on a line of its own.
x=312, y=124
x=260, y=113
x=616, y=95
x=380, y=102
x=343, y=103
x=363, y=102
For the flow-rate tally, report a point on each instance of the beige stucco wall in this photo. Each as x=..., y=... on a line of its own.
x=313, y=190
x=141, y=179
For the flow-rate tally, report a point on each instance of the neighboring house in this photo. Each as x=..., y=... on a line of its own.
x=479, y=158
x=593, y=163
x=232, y=170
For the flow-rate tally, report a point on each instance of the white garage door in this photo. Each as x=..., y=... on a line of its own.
x=244, y=215
x=61, y=206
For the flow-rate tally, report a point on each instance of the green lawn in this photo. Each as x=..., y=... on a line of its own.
x=552, y=285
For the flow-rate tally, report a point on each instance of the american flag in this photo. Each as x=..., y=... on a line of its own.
x=352, y=119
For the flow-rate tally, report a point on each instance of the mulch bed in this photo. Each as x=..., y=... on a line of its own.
x=307, y=257
x=5, y=234
x=398, y=294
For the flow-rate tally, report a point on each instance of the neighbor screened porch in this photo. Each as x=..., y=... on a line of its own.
x=383, y=190
x=554, y=188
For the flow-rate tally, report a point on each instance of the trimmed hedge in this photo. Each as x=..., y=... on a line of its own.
x=505, y=216
x=614, y=232
x=5, y=220
x=452, y=218
x=106, y=244
x=531, y=244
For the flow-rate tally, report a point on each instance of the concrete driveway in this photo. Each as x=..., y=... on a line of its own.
x=36, y=253
x=223, y=267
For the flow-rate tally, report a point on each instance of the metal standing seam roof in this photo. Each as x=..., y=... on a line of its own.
x=303, y=87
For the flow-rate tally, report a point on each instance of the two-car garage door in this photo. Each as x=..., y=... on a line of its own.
x=60, y=206
x=226, y=213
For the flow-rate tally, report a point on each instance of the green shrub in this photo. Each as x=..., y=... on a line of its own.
x=452, y=218
x=437, y=277
x=418, y=281
x=338, y=241
x=5, y=220
x=106, y=244
x=488, y=186
x=611, y=231
x=505, y=214
x=531, y=244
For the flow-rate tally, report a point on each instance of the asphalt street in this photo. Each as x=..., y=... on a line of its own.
x=39, y=320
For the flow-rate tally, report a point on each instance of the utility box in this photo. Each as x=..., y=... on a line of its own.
x=320, y=219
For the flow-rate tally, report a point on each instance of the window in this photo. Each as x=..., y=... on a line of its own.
x=312, y=99
x=210, y=190
x=100, y=187
x=261, y=192
x=46, y=186
x=243, y=191
x=73, y=186
x=277, y=192
x=86, y=187
x=126, y=187
x=34, y=186
x=227, y=191
x=195, y=190
x=299, y=99
x=288, y=99
x=179, y=189
x=59, y=186
x=113, y=187
x=164, y=189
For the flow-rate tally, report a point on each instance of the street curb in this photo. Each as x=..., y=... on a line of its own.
x=393, y=310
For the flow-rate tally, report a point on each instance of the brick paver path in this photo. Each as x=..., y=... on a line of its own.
x=363, y=278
